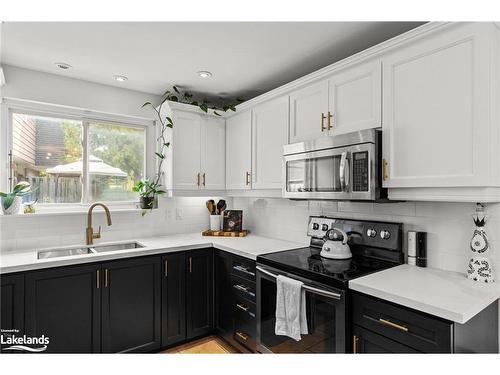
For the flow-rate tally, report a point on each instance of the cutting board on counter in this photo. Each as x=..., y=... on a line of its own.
x=222, y=233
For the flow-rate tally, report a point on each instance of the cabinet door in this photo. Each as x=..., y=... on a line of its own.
x=173, y=299
x=269, y=134
x=199, y=292
x=355, y=97
x=365, y=341
x=223, y=295
x=12, y=307
x=239, y=151
x=213, y=153
x=131, y=304
x=308, y=106
x=186, y=149
x=436, y=106
x=64, y=304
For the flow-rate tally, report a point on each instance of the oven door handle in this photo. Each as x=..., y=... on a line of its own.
x=309, y=288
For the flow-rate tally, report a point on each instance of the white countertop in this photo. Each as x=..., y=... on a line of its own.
x=449, y=295
x=249, y=247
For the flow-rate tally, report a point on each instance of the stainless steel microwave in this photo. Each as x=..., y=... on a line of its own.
x=342, y=167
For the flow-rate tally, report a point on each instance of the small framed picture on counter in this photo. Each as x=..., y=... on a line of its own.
x=232, y=220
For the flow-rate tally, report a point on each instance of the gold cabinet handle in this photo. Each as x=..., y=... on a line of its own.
x=242, y=335
x=198, y=180
x=355, y=340
x=166, y=268
x=203, y=178
x=330, y=125
x=106, y=272
x=247, y=178
x=97, y=279
x=323, y=118
x=190, y=265
x=384, y=170
x=393, y=325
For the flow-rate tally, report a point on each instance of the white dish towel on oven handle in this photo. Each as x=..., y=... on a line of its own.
x=291, y=315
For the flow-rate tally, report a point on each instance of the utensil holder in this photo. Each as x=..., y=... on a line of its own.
x=215, y=222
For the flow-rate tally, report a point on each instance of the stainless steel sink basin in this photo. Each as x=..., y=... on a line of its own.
x=44, y=254
x=117, y=247
x=64, y=252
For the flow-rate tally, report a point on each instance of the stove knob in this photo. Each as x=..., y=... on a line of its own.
x=371, y=232
x=315, y=226
x=385, y=234
x=324, y=227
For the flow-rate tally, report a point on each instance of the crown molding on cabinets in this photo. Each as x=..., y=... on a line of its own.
x=192, y=108
x=349, y=61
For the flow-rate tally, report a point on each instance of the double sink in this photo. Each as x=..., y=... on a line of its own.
x=55, y=253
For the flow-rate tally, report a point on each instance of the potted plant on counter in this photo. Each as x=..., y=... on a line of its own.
x=11, y=202
x=147, y=191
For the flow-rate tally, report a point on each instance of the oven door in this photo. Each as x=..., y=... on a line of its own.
x=326, y=321
x=342, y=173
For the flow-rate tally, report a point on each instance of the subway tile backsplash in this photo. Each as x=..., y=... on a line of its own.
x=449, y=225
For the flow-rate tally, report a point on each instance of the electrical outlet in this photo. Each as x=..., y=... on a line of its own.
x=178, y=213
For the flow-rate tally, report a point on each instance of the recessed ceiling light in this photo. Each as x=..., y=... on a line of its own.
x=62, y=65
x=204, y=74
x=120, y=78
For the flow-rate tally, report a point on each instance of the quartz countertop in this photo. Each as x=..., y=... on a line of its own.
x=448, y=295
x=248, y=247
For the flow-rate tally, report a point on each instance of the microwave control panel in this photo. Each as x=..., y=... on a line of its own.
x=360, y=171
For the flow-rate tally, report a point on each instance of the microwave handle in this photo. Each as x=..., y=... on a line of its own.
x=344, y=172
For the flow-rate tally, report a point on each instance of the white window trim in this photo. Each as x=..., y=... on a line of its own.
x=12, y=105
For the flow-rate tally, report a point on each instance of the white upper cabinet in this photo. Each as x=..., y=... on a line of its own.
x=308, y=112
x=213, y=153
x=269, y=134
x=198, y=151
x=436, y=109
x=349, y=100
x=239, y=151
x=186, y=150
x=355, y=98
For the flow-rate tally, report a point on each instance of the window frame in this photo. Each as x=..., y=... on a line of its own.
x=12, y=106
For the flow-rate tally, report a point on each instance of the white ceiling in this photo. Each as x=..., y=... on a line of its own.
x=245, y=58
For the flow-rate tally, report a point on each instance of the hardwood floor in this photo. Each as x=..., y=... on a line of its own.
x=205, y=345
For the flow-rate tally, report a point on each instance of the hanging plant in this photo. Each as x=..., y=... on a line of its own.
x=149, y=189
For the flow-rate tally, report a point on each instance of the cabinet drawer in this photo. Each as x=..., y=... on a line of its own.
x=245, y=330
x=365, y=341
x=243, y=268
x=408, y=327
x=243, y=288
x=244, y=307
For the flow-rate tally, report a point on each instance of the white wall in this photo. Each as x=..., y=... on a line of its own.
x=175, y=215
x=55, y=89
x=449, y=225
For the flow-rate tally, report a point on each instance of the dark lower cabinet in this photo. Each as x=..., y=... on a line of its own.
x=64, y=304
x=173, y=300
x=383, y=327
x=131, y=305
x=12, y=307
x=224, y=321
x=199, y=292
x=365, y=341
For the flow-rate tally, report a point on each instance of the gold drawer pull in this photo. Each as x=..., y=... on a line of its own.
x=385, y=175
x=97, y=279
x=355, y=344
x=330, y=120
x=393, y=325
x=242, y=336
x=241, y=307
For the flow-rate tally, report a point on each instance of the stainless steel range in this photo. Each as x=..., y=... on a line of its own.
x=374, y=245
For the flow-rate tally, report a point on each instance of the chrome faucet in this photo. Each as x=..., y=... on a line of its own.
x=90, y=231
